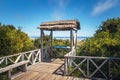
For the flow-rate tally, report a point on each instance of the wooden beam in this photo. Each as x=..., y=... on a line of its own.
x=71, y=39
x=41, y=38
x=51, y=41
x=75, y=39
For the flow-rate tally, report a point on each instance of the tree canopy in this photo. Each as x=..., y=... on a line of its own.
x=13, y=40
x=106, y=40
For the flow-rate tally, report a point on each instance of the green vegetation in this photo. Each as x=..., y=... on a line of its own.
x=59, y=52
x=106, y=40
x=13, y=40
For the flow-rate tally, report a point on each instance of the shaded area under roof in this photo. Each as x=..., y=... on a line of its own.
x=60, y=25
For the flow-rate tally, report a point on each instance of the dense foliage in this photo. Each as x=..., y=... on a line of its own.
x=106, y=40
x=13, y=40
x=55, y=42
x=59, y=52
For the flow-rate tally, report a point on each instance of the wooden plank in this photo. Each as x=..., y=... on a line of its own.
x=12, y=66
x=42, y=71
x=28, y=76
x=48, y=76
x=65, y=78
x=59, y=77
x=44, y=75
x=70, y=78
x=53, y=77
x=37, y=76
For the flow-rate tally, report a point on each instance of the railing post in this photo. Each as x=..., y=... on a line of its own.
x=22, y=57
x=33, y=57
x=88, y=70
x=108, y=73
x=65, y=66
x=9, y=75
x=39, y=55
x=6, y=61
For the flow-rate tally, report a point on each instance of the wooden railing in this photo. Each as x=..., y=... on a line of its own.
x=92, y=67
x=30, y=56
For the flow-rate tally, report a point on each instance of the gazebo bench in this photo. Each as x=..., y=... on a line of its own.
x=22, y=64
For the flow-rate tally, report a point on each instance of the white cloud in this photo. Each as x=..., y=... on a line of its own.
x=103, y=5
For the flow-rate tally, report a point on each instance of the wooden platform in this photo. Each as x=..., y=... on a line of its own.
x=45, y=71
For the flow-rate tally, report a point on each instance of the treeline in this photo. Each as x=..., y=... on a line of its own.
x=13, y=40
x=106, y=40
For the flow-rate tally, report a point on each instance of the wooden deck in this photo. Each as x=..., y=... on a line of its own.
x=45, y=71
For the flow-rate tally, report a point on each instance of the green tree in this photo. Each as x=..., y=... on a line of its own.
x=105, y=41
x=13, y=40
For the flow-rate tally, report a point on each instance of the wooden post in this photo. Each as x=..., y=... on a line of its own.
x=75, y=39
x=51, y=41
x=33, y=57
x=9, y=75
x=22, y=57
x=6, y=61
x=24, y=67
x=71, y=39
x=66, y=66
x=39, y=55
x=41, y=45
x=88, y=70
x=108, y=73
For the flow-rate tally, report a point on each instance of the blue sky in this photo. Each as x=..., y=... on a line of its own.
x=31, y=13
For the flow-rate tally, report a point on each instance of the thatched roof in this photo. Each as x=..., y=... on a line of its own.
x=60, y=25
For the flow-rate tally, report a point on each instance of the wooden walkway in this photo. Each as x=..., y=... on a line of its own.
x=45, y=71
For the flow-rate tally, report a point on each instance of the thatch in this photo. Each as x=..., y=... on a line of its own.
x=60, y=25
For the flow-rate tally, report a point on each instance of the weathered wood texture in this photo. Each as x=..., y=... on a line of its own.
x=9, y=68
x=21, y=60
x=45, y=71
x=13, y=66
x=30, y=56
x=89, y=66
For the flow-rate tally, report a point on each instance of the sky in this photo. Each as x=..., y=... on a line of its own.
x=29, y=14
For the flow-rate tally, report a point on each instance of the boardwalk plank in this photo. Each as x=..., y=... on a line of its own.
x=44, y=71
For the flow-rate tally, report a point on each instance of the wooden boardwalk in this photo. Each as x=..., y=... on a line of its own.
x=45, y=71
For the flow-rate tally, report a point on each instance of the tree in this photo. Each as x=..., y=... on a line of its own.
x=13, y=40
x=105, y=41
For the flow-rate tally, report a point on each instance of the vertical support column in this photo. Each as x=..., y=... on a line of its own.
x=41, y=38
x=71, y=39
x=75, y=39
x=75, y=42
x=51, y=41
x=71, y=47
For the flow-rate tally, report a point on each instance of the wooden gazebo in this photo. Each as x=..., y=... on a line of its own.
x=62, y=25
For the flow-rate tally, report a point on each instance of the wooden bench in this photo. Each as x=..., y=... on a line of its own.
x=22, y=64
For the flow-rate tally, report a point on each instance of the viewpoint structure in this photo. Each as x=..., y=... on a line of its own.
x=62, y=25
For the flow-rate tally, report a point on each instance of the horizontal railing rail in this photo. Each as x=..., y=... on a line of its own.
x=92, y=67
x=32, y=57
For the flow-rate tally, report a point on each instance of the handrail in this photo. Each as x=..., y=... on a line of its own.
x=32, y=57
x=92, y=57
x=92, y=65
